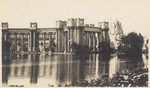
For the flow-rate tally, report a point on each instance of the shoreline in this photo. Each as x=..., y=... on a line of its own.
x=137, y=78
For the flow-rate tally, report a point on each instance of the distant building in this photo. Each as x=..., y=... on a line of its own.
x=57, y=39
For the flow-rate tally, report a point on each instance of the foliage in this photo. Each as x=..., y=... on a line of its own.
x=132, y=43
x=105, y=47
x=77, y=48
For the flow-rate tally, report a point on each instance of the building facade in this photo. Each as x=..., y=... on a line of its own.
x=58, y=39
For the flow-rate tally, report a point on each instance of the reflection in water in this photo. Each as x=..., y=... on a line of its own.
x=113, y=66
x=44, y=70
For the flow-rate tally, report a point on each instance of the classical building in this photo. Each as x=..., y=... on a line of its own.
x=58, y=39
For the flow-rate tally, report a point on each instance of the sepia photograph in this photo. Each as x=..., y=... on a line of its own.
x=74, y=43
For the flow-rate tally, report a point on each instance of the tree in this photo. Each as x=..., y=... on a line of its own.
x=77, y=48
x=132, y=43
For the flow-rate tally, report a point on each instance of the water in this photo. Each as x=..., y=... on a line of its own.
x=46, y=70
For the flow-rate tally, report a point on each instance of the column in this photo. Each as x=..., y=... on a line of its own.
x=22, y=42
x=16, y=41
x=75, y=35
x=78, y=36
x=34, y=40
x=62, y=41
x=3, y=46
x=37, y=41
x=29, y=42
x=71, y=38
x=89, y=39
x=104, y=38
x=68, y=40
x=58, y=40
x=97, y=42
x=44, y=41
x=66, y=43
x=86, y=39
x=94, y=41
x=85, y=35
x=50, y=41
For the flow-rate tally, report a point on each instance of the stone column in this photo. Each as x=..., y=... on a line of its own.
x=78, y=36
x=15, y=41
x=58, y=40
x=34, y=41
x=3, y=45
x=94, y=41
x=44, y=41
x=104, y=36
x=98, y=34
x=29, y=45
x=37, y=41
x=22, y=42
x=66, y=43
x=71, y=38
x=68, y=40
x=75, y=35
x=62, y=40
x=89, y=39
x=50, y=41
x=31, y=40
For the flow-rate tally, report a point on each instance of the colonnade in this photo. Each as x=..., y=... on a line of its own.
x=72, y=35
x=45, y=40
x=59, y=40
x=92, y=40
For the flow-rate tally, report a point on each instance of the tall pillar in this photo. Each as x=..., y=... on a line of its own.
x=3, y=44
x=61, y=40
x=71, y=38
x=68, y=40
x=75, y=35
x=59, y=45
x=66, y=43
x=84, y=38
x=50, y=46
x=104, y=38
x=15, y=41
x=22, y=42
x=89, y=39
x=94, y=41
x=97, y=47
x=44, y=41
x=34, y=41
x=78, y=36
x=29, y=41
x=37, y=41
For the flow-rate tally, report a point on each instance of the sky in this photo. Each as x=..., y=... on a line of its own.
x=133, y=14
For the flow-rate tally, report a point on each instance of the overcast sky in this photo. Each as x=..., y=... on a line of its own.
x=134, y=14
